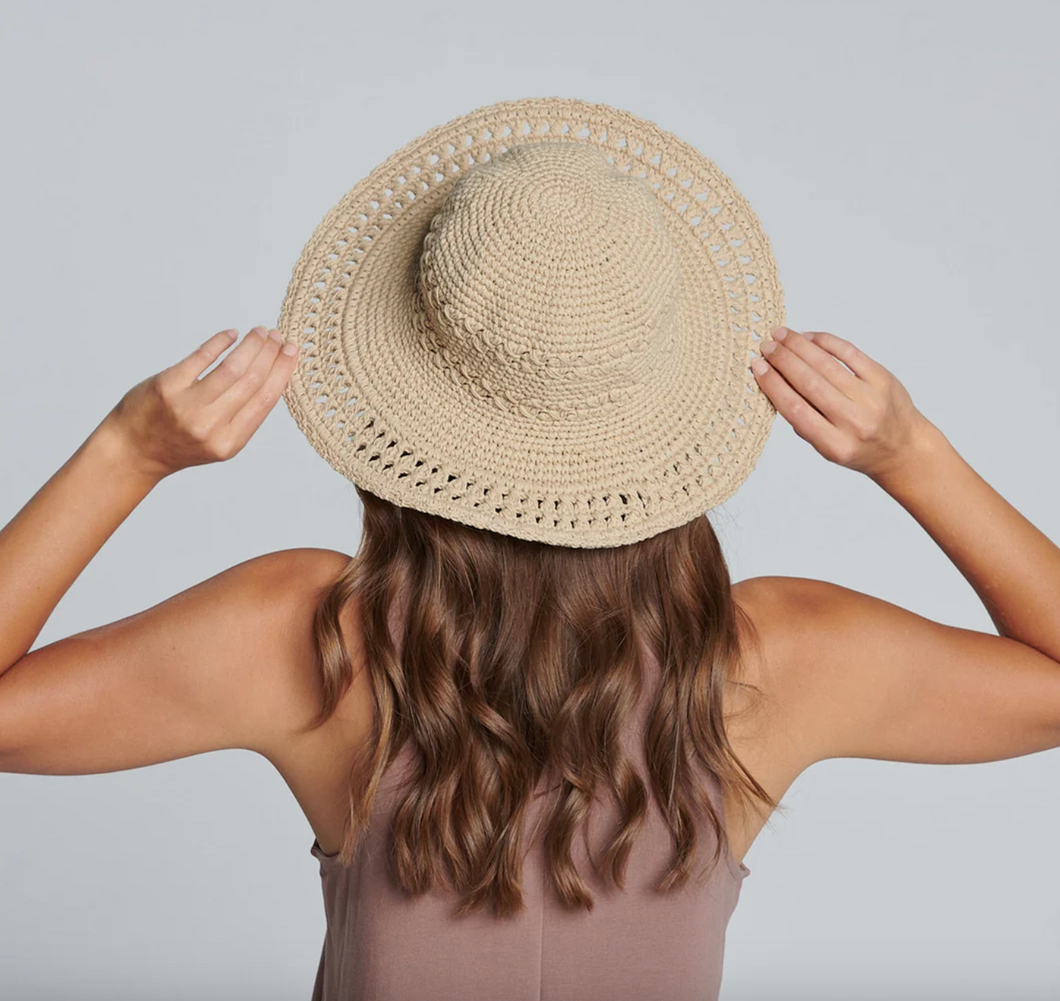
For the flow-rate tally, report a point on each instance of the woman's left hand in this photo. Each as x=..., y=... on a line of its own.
x=175, y=419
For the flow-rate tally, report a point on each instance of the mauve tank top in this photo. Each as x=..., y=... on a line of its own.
x=383, y=945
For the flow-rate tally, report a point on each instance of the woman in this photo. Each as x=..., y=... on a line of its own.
x=533, y=725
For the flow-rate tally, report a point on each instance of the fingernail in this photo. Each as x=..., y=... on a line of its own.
x=768, y=347
x=760, y=366
x=275, y=335
x=780, y=333
x=262, y=332
x=289, y=348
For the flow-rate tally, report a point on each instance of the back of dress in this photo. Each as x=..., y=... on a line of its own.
x=383, y=945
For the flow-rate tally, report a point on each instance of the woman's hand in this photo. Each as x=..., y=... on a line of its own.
x=175, y=419
x=848, y=407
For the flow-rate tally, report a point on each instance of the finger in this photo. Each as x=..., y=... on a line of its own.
x=188, y=369
x=233, y=367
x=249, y=417
x=803, y=344
x=800, y=414
x=228, y=404
x=856, y=360
x=806, y=380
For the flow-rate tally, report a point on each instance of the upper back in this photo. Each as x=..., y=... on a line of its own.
x=316, y=765
x=637, y=942
x=825, y=672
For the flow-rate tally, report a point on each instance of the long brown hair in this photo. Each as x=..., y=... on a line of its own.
x=521, y=660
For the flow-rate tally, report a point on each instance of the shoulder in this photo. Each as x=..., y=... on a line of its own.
x=785, y=613
x=278, y=594
x=791, y=623
x=288, y=585
x=227, y=663
x=791, y=627
x=283, y=588
x=768, y=619
x=771, y=608
x=789, y=593
x=291, y=573
x=803, y=621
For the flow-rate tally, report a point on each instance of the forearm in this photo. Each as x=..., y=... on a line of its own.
x=1012, y=566
x=47, y=544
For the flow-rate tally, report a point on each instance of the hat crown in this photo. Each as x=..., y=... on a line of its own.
x=549, y=281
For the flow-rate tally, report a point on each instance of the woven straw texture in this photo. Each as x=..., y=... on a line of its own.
x=538, y=319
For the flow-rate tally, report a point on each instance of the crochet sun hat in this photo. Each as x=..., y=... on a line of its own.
x=538, y=319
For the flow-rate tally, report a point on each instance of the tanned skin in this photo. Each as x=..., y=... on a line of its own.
x=228, y=663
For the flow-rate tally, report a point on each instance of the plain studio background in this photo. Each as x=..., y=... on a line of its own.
x=164, y=166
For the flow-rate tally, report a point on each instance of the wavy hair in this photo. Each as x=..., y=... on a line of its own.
x=520, y=660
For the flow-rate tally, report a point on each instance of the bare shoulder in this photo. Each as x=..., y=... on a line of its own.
x=315, y=763
x=797, y=634
x=775, y=700
x=843, y=673
x=285, y=589
x=272, y=601
x=227, y=663
x=313, y=568
x=790, y=622
x=764, y=714
x=290, y=583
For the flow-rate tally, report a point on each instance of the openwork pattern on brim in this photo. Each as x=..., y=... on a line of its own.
x=601, y=415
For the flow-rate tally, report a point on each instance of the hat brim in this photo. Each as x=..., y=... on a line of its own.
x=387, y=415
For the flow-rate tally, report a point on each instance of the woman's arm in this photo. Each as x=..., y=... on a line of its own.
x=1013, y=567
x=163, y=424
x=177, y=678
x=862, y=677
x=227, y=663
x=44, y=548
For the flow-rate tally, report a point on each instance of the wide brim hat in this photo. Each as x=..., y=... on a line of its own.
x=549, y=343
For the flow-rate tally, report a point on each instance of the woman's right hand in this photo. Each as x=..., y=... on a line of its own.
x=175, y=419
x=848, y=407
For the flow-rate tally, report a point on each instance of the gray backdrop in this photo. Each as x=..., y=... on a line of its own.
x=163, y=166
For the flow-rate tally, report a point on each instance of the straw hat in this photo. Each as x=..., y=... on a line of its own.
x=538, y=319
